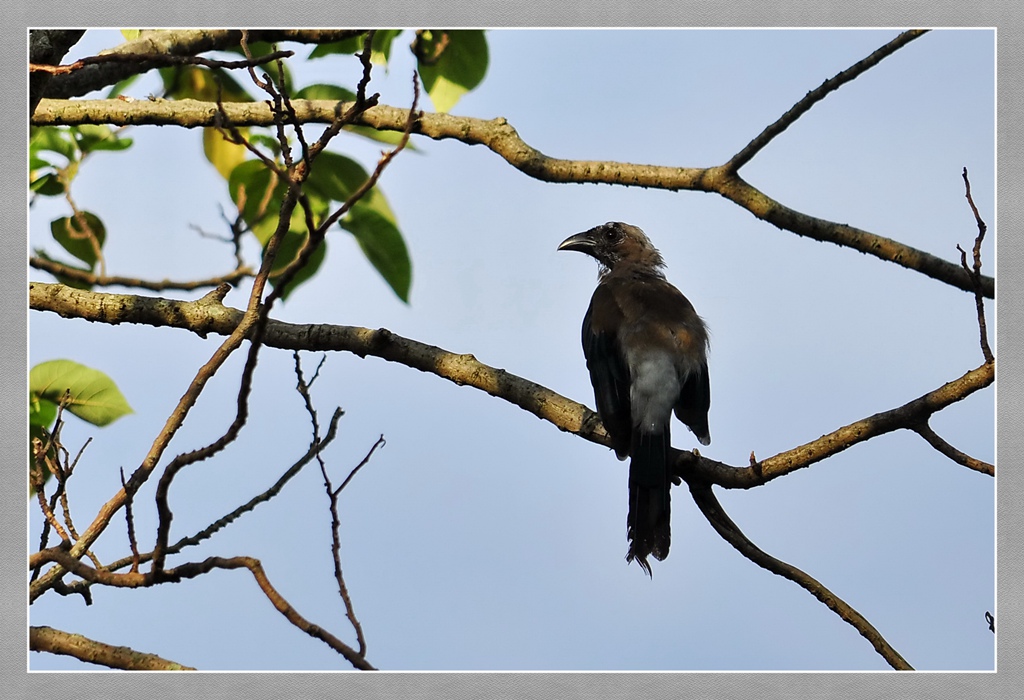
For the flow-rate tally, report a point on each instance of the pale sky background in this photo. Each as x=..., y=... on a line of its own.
x=481, y=538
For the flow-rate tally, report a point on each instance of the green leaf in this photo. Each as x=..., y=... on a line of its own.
x=41, y=411
x=223, y=154
x=55, y=139
x=80, y=242
x=93, y=396
x=335, y=176
x=383, y=245
x=323, y=91
x=118, y=88
x=345, y=46
x=47, y=184
x=66, y=281
x=451, y=63
x=380, y=48
x=289, y=251
x=198, y=83
x=99, y=137
x=248, y=185
x=131, y=34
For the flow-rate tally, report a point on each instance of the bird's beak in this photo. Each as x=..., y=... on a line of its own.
x=582, y=242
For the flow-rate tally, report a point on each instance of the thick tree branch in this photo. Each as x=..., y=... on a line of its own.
x=176, y=42
x=47, y=46
x=705, y=499
x=501, y=138
x=209, y=315
x=909, y=416
x=90, y=651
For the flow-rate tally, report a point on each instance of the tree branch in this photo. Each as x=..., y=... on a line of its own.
x=38, y=559
x=90, y=651
x=975, y=272
x=283, y=606
x=962, y=458
x=816, y=95
x=72, y=273
x=176, y=42
x=209, y=315
x=47, y=46
x=501, y=138
x=705, y=499
x=194, y=569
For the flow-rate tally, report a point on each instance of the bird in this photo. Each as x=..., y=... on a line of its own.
x=646, y=350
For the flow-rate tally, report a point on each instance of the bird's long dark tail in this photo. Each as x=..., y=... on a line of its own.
x=647, y=525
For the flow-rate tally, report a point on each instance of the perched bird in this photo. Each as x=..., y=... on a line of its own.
x=646, y=349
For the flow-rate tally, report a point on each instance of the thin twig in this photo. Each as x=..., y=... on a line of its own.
x=283, y=606
x=962, y=458
x=225, y=520
x=975, y=272
x=816, y=95
x=131, y=526
x=72, y=273
x=332, y=495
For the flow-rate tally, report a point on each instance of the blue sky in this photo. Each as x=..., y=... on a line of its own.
x=482, y=538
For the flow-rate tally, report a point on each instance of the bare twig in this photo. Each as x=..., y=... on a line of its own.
x=59, y=270
x=194, y=569
x=975, y=272
x=332, y=495
x=131, y=526
x=283, y=606
x=925, y=431
x=241, y=510
x=705, y=499
x=816, y=95
x=380, y=443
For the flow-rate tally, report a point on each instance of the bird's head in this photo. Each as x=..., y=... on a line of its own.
x=614, y=243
